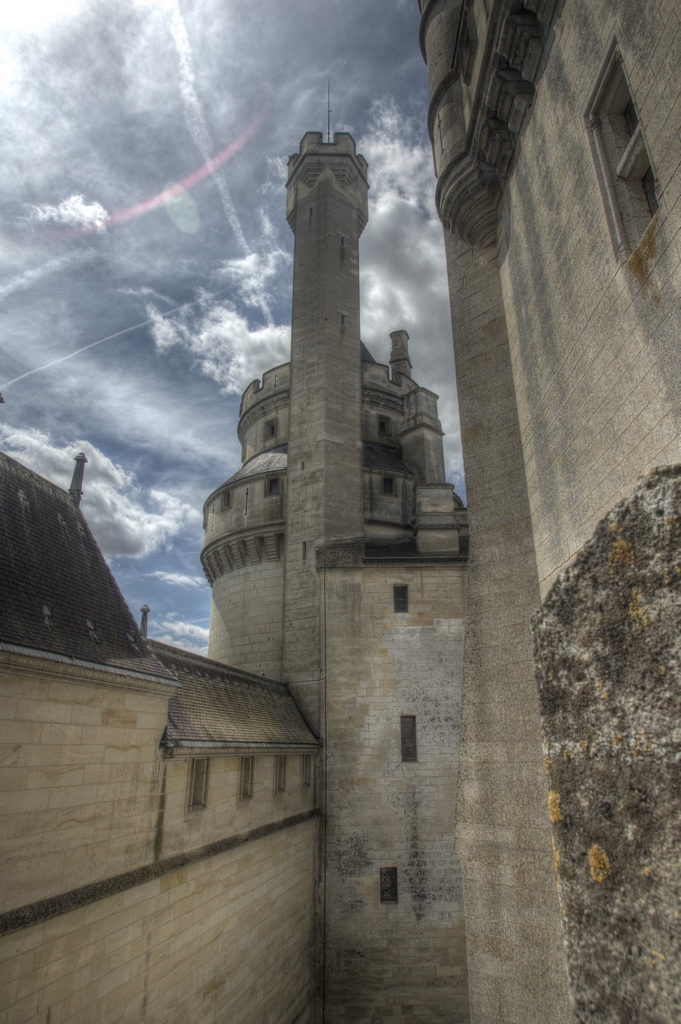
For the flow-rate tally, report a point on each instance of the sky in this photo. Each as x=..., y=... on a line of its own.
x=145, y=259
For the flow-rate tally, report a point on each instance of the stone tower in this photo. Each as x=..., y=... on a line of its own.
x=337, y=557
x=326, y=209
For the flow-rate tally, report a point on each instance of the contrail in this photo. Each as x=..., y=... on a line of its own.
x=109, y=337
x=29, y=277
x=195, y=120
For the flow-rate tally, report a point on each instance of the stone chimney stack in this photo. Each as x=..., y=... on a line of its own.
x=400, y=363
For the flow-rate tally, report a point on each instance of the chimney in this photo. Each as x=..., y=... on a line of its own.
x=145, y=609
x=76, y=488
x=400, y=363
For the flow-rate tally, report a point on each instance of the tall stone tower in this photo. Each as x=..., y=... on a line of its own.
x=337, y=556
x=326, y=209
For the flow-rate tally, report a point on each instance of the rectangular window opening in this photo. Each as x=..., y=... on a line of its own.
x=389, y=485
x=304, y=550
x=384, y=425
x=307, y=771
x=225, y=499
x=408, y=737
x=271, y=428
x=273, y=485
x=246, y=774
x=280, y=773
x=198, y=783
x=388, y=885
x=401, y=598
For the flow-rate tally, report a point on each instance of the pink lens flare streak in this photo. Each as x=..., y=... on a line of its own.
x=172, y=191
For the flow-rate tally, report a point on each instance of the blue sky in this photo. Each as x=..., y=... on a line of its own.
x=107, y=103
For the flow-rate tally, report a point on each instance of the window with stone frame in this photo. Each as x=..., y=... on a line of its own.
x=621, y=155
x=385, y=426
x=246, y=777
x=226, y=498
x=197, y=792
x=408, y=737
x=306, y=771
x=272, y=486
x=400, y=598
x=389, y=485
x=280, y=773
x=270, y=428
x=388, y=885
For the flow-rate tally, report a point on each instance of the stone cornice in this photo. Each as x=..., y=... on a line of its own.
x=472, y=182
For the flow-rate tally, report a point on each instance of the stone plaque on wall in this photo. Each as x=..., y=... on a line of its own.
x=608, y=651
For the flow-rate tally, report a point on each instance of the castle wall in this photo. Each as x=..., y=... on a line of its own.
x=225, y=938
x=120, y=904
x=80, y=767
x=246, y=618
x=403, y=961
x=515, y=950
x=593, y=341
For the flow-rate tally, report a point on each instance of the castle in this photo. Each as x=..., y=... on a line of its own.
x=297, y=828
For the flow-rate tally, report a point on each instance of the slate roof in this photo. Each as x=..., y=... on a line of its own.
x=220, y=706
x=54, y=580
x=366, y=354
x=378, y=456
x=271, y=461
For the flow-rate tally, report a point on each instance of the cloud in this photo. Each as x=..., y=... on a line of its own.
x=250, y=275
x=73, y=212
x=186, y=635
x=226, y=348
x=179, y=579
x=126, y=519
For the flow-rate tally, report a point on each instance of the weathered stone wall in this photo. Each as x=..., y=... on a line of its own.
x=80, y=768
x=405, y=961
x=226, y=938
x=608, y=651
x=225, y=814
x=98, y=921
x=515, y=955
x=246, y=618
x=594, y=342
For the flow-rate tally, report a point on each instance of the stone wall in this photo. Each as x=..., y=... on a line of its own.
x=246, y=618
x=226, y=938
x=404, y=961
x=594, y=341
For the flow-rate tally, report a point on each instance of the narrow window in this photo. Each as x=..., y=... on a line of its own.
x=246, y=773
x=384, y=426
x=307, y=771
x=388, y=885
x=408, y=734
x=225, y=499
x=280, y=773
x=401, y=599
x=342, y=319
x=302, y=466
x=198, y=783
x=271, y=428
x=389, y=485
x=304, y=550
x=246, y=508
x=273, y=485
x=623, y=165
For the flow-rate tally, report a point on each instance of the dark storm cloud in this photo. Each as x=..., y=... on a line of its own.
x=106, y=103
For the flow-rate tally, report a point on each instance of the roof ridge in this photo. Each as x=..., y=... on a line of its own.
x=218, y=667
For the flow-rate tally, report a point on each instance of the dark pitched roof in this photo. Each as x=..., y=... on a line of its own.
x=379, y=456
x=220, y=706
x=57, y=593
x=366, y=354
x=271, y=461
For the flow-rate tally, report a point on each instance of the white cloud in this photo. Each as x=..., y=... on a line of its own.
x=251, y=273
x=186, y=635
x=126, y=519
x=73, y=212
x=179, y=579
x=223, y=343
